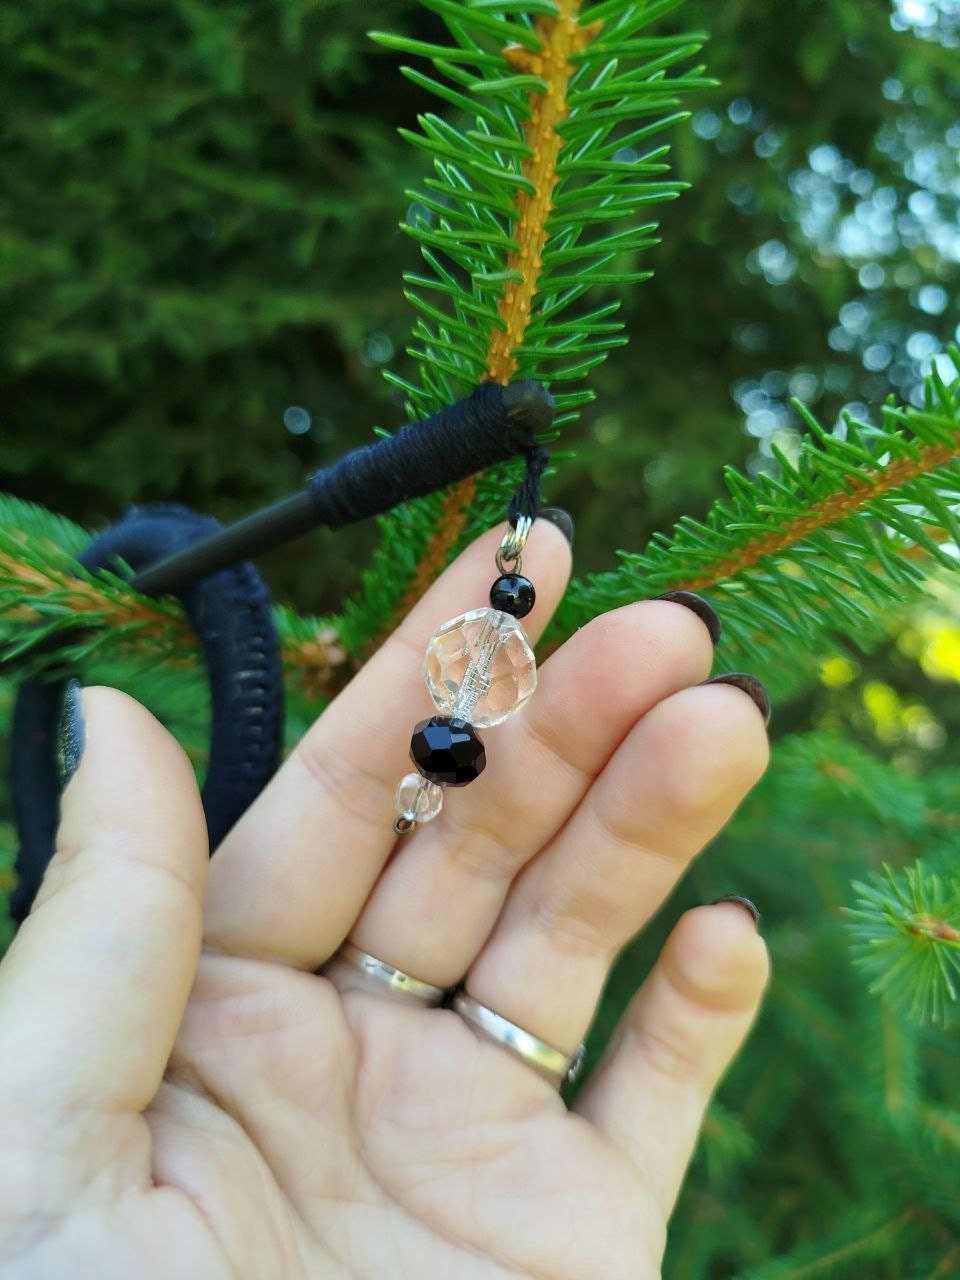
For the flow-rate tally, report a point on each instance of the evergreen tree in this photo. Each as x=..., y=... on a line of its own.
x=835, y=1147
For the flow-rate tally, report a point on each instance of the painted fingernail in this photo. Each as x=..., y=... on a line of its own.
x=561, y=518
x=751, y=686
x=70, y=733
x=741, y=902
x=704, y=611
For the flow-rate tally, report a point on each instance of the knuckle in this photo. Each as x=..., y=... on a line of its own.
x=346, y=783
x=484, y=854
x=587, y=922
x=674, y=1056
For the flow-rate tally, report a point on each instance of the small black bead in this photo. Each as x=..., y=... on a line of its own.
x=448, y=750
x=513, y=594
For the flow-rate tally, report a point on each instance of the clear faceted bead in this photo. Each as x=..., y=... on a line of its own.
x=418, y=800
x=480, y=667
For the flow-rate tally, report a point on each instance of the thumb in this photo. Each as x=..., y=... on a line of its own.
x=94, y=986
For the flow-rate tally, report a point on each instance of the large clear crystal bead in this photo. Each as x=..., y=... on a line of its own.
x=418, y=800
x=480, y=667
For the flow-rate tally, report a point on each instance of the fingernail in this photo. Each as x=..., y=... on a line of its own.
x=742, y=902
x=750, y=685
x=561, y=518
x=704, y=611
x=70, y=733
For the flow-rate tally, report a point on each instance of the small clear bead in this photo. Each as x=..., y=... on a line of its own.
x=480, y=667
x=417, y=799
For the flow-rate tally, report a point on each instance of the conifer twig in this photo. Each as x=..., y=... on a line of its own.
x=43, y=590
x=558, y=106
x=948, y=1266
x=846, y=531
x=824, y=1262
x=559, y=37
x=857, y=490
x=906, y=928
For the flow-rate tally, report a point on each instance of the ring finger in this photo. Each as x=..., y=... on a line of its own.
x=671, y=787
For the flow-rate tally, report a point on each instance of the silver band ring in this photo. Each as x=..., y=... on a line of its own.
x=555, y=1066
x=402, y=984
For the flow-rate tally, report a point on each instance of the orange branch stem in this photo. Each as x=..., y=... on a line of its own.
x=833, y=509
x=559, y=37
x=318, y=665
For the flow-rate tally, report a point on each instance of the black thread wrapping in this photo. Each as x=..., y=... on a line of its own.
x=492, y=424
x=489, y=426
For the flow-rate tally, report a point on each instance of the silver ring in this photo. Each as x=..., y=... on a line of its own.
x=513, y=542
x=400, y=983
x=555, y=1066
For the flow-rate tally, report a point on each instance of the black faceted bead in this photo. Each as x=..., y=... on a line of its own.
x=448, y=750
x=513, y=594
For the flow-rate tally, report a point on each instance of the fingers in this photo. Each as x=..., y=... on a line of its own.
x=669, y=789
x=98, y=976
x=291, y=877
x=439, y=898
x=679, y=1036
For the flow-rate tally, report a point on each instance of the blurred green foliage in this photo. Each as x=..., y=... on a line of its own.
x=200, y=282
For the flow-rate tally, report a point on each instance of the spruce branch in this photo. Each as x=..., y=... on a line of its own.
x=545, y=75
x=905, y=924
x=563, y=102
x=845, y=533
x=906, y=928
x=725, y=1142
x=870, y=1236
x=44, y=593
x=948, y=1265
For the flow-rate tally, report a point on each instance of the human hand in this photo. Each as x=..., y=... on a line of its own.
x=181, y=1096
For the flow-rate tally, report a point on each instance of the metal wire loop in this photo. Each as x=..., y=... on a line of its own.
x=512, y=544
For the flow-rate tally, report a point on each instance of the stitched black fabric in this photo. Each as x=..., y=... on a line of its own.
x=230, y=612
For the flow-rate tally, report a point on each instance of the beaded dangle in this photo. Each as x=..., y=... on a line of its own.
x=479, y=669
